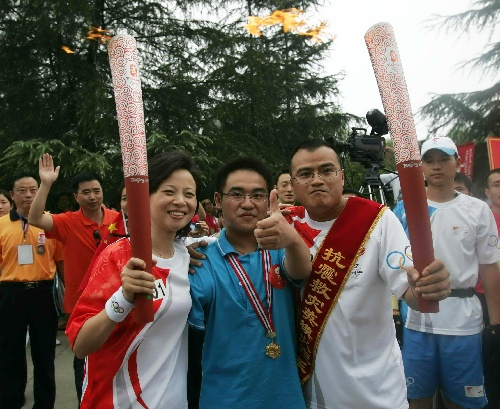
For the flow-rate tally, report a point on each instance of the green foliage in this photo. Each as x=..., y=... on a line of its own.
x=470, y=116
x=208, y=86
x=24, y=155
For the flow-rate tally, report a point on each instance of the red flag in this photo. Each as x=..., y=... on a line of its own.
x=494, y=151
x=466, y=153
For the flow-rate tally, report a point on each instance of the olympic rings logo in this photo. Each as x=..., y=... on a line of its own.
x=117, y=308
x=396, y=259
x=493, y=241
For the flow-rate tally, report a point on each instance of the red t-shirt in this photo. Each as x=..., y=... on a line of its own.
x=76, y=232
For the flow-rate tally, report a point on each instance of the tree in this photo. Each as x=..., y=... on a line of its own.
x=208, y=86
x=471, y=116
x=269, y=91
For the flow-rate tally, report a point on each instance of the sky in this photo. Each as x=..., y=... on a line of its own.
x=430, y=57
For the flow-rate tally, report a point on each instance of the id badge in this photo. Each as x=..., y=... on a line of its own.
x=25, y=254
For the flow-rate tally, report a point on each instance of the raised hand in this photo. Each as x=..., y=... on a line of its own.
x=46, y=169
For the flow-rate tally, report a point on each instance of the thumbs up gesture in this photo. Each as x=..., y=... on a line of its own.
x=275, y=232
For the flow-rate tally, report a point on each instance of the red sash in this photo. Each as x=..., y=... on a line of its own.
x=339, y=252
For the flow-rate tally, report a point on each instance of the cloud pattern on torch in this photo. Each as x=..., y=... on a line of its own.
x=388, y=69
x=124, y=62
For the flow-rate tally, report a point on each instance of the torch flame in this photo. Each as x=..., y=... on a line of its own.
x=290, y=19
x=99, y=34
x=315, y=32
x=67, y=49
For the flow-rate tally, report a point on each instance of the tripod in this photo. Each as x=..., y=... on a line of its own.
x=375, y=189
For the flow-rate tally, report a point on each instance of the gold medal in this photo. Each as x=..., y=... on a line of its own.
x=273, y=350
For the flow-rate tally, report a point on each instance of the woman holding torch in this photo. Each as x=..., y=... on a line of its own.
x=130, y=363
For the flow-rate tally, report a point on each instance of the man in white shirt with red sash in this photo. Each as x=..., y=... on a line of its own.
x=348, y=354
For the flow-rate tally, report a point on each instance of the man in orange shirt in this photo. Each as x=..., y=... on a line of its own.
x=27, y=267
x=79, y=231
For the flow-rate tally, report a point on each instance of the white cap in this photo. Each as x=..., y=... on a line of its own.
x=443, y=143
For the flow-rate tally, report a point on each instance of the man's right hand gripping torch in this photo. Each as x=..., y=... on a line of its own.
x=386, y=63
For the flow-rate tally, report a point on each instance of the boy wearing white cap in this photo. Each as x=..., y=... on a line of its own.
x=444, y=349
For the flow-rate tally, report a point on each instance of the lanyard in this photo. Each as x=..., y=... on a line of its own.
x=25, y=225
x=265, y=317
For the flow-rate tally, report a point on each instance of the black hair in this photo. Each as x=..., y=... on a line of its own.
x=162, y=165
x=243, y=163
x=349, y=190
x=491, y=172
x=281, y=172
x=84, y=177
x=7, y=196
x=311, y=145
x=19, y=176
x=463, y=178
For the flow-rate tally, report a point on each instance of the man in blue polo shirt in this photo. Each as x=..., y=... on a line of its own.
x=243, y=297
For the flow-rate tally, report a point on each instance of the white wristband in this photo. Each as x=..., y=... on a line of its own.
x=118, y=307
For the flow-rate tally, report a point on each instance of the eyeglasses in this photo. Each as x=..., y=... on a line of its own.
x=239, y=197
x=327, y=174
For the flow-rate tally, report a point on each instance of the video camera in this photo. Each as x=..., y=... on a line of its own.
x=361, y=147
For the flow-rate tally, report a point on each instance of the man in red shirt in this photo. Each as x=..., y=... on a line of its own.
x=210, y=218
x=79, y=231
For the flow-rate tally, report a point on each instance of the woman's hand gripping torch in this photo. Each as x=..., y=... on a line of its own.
x=123, y=59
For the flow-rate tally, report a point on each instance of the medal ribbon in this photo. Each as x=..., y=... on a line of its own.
x=266, y=318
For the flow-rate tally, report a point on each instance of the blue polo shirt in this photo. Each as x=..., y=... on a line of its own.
x=237, y=373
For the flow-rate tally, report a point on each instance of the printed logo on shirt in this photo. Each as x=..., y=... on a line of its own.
x=493, y=241
x=41, y=238
x=474, y=391
x=160, y=290
x=356, y=271
x=398, y=259
x=460, y=231
x=276, y=277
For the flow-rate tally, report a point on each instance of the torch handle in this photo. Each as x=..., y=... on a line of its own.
x=124, y=64
x=419, y=225
x=140, y=238
x=388, y=70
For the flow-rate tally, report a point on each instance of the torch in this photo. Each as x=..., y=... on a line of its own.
x=388, y=69
x=123, y=59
